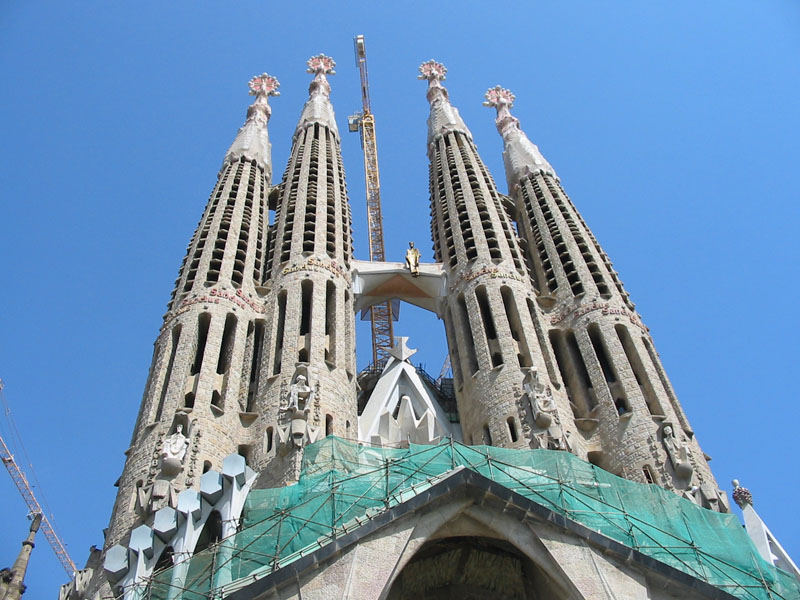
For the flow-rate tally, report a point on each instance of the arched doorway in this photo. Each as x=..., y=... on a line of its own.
x=471, y=568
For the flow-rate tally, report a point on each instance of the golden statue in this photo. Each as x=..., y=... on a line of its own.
x=412, y=259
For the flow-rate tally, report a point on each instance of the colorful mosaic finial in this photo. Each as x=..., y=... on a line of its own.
x=499, y=96
x=264, y=85
x=432, y=70
x=321, y=64
x=741, y=495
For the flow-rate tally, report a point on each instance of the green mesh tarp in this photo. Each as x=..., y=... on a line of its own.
x=343, y=484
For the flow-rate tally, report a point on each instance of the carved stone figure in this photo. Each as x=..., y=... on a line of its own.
x=173, y=450
x=677, y=451
x=412, y=259
x=297, y=403
x=541, y=399
x=301, y=395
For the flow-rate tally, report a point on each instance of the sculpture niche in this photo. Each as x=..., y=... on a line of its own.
x=543, y=411
x=173, y=451
x=296, y=403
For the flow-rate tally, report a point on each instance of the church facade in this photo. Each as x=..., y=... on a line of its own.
x=556, y=463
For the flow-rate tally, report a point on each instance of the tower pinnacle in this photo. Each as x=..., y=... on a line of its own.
x=252, y=140
x=318, y=108
x=521, y=156
x=444, y=117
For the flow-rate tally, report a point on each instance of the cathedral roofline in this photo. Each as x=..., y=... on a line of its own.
x=252, y=140
x=464, y=483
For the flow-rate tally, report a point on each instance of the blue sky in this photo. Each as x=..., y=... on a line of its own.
x=672, y=125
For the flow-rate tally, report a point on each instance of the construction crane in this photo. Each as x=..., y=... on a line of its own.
x=364, y=122
x=33, y=504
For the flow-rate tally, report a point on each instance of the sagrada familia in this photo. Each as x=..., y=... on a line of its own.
x=555, y=463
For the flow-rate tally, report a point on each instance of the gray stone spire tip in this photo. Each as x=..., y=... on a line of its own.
x=252, y=140
x=318, y=108
x=521, y=156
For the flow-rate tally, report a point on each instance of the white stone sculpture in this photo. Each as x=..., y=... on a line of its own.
x=295, y=407
x=173, y=451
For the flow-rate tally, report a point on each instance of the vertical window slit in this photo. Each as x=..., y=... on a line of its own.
x=512, y=429
x=469, y=340
x=330, y=322
x=609, y=372
x=306, y=297
x=255, y=364
x=639, y=372
x=276, y=364
x=203, y=322
x=226, y=348
x=515, y=324
x=488, y=326
x=176, y=335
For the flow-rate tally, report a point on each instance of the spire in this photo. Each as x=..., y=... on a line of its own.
x=520, y=155
x=444, y=116
x=252, y=140
x=318, y=108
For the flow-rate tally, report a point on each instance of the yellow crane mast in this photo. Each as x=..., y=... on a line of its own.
x=19, y=479
x=381, y=314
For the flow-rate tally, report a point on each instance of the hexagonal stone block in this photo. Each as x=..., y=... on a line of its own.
x=189, y=504
x=233, y=467
x=165, y=523
x=116, y=562
x=211, y=486
x=142, y=540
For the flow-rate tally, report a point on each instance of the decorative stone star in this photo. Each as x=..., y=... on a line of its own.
x=401, y=351
x=499, y=96
x=431, y=70
x=265, y=85
x=321, y=64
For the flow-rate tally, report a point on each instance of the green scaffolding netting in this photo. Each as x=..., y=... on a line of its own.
x=342, y=484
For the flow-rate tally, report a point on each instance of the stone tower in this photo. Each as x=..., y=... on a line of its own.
x=620, y=396
x=494, y=333
x=308, y=368
x=201, y=386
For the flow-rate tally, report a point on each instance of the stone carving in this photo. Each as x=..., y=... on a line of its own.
x=412, y=259
x=541, y=399
x=300, y=395
x=741, y=495
x=544, y=413
x=264, y=85
x=296, y=403
x=678, y=452
x=173, y=451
